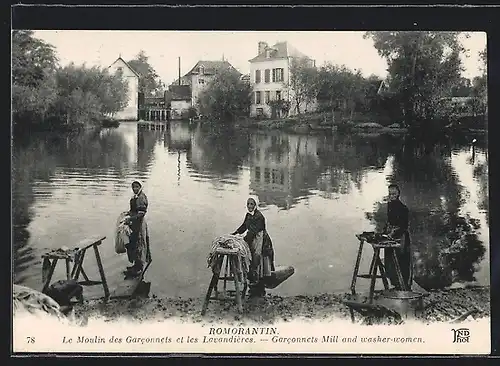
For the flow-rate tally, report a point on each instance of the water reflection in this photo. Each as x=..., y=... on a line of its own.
x=22, y=201
x=445, y=240
x=217, y=152
x=283, y=168
x=77, y=165
x=345, y=159
x=315, y=189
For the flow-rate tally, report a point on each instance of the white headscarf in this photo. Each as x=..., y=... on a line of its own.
x=256, y=200
x=140, y=189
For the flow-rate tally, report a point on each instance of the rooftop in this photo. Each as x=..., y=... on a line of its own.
x=279, y=51
x=180, y=92
x=126, y=64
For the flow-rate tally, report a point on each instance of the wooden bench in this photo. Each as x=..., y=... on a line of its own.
x=77, y=256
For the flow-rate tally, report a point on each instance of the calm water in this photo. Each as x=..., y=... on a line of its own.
x=316, y=192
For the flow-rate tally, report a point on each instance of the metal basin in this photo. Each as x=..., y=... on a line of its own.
x=408, y=304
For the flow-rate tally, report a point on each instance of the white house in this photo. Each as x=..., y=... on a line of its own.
x=200, y=76
x=270, y=78
x=130, y=112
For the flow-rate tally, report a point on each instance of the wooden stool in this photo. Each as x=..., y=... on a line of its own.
x=376, y=267
x=77, y=255
x=232, y=272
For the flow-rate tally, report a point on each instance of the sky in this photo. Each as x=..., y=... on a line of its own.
x=102, y=48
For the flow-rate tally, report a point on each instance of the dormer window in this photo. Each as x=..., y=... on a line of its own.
x=201, y=70
x=268, y=53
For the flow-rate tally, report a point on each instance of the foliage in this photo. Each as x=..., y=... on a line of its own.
x=340, y=88
x=279, y=107
x=86, y=94
x=34, y=63
x=45, y=95
x=423, y=68
x=463, y=88
x=226, y=96
x=303, y=81
x=149, y=82
x=480, y=84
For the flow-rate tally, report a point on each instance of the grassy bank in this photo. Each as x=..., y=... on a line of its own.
x=322, y=122
x=445, y=305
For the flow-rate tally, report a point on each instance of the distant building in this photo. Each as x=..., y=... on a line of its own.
x=180, y=100
x=270, y=77
x=130, y=112
x=245, y=78
x=200, y=76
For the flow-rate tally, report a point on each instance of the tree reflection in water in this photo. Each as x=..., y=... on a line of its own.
x=218, y=151
x=445, y=244
x=345, y=160
x=37, y=160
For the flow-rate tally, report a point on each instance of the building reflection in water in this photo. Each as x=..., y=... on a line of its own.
x=287, y=168
x=282, y=166
x=178, y=137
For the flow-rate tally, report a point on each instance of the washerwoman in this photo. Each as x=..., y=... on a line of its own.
x=138, y=250
x=259, y=242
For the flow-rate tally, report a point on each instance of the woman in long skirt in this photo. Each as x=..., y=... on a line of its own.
x=138, y=250
x=259, y=242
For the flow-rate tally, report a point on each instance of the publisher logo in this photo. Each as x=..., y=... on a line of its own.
x=461, y=335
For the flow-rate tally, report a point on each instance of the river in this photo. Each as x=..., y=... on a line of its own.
x=316, y=193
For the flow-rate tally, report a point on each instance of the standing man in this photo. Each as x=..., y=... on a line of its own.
x=397, y=228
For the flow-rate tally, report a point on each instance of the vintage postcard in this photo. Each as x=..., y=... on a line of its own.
x=250, y=192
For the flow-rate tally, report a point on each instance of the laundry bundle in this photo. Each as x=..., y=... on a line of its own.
x=122, y=233
x=230, y=242
x=28, y=300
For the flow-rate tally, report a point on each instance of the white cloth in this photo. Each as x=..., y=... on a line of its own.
x=230, y=242
x=28, y=300
x=140, y=189
x=122, y=233
x=256, y=199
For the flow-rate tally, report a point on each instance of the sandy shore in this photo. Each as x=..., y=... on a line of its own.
x=445, y=305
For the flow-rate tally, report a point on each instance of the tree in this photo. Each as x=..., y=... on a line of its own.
x=463, y=88
x=34, y=63
x=85, y=95
x=149, y=82
x=45, y=95
x=341, y=88
x=480, y=84
x=303, y=82
x=226, y=96
x=423, y=67
x=32, y=59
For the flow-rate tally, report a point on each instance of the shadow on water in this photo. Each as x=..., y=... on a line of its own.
x=445, y=243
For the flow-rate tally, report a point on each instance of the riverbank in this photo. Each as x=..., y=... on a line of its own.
x=444, y=305
x=358, y=124
x=322, y=123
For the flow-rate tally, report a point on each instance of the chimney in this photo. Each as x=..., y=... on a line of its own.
x=262, y=47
